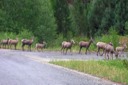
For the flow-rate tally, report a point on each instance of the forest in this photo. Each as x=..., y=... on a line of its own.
x=51, y=19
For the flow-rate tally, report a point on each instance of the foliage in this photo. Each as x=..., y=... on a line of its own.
x=25, y=34
x=102, y=15
x=126, y=27
x=5, y=35
x=78, y=12
x=47, y=19
x=61, y=13
x=35, y=16
x=111, y=36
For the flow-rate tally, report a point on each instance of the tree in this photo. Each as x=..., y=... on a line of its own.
x=35, y=16
x=79, y=13
x=61, y=13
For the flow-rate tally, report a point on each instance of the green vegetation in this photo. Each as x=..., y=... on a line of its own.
x=48, y=19
x=115, y=70
x=57, y=20
x=35, y=16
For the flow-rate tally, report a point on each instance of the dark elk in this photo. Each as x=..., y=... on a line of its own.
x=27, y=42
x=67, y=45
x=85, y=44
x=13, y=42
x=4, y=43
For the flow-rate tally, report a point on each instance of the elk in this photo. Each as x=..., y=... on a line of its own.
x=4, y=42
x=120, y=49
x=67, y=45
x=109, y=49
x=40, y=45
x=27, y=42
x=85, y=44
x=101, y=45
x=13, y=42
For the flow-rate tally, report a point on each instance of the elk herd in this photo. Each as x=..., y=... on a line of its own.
x=107, y=48
x=8, y=43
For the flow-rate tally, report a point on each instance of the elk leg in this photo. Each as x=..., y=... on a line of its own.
x=15, y=47
x=38, y=49
x=30, y=47
x=103, y=52
x=105, y=55
x=70, y=50
x=66, y=50
x=112, y=55
x=23, y=47
x=108, y=55
x=41, y=49
x=122, y=53
x=61, y=49
x=98, y=51
x=116, y=54
x=80, y=49
x=5, y=46
x=86, y=50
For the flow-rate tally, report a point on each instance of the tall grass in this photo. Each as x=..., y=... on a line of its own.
x=114, y=70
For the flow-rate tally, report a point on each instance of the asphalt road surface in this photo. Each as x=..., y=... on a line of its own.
x=32, y=68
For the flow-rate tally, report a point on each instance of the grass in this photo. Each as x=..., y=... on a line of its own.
x=114, y=70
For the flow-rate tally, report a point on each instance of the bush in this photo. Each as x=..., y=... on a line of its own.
x=113, y=36
x=110, y=37
x=5, y=35
x=26, y=34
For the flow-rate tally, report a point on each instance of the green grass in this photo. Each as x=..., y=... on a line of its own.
x=114, y=70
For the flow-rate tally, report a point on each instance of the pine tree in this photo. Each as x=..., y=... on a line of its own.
x=61, y=13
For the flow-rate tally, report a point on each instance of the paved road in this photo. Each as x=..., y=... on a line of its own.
x=31, y=68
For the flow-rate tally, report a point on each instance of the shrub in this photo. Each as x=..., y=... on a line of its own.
x=110, y=37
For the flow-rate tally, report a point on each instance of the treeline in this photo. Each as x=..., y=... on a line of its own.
x=35, y=16
x=47, y=19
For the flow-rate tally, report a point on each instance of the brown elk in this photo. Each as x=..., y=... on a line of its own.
x=101, y=45
x=4, y=43
x=85, y=44
x=40, y=45
x=67, y=45
x=109, y=50
x=13, y=42
x=27, y=42
x=120, y=49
